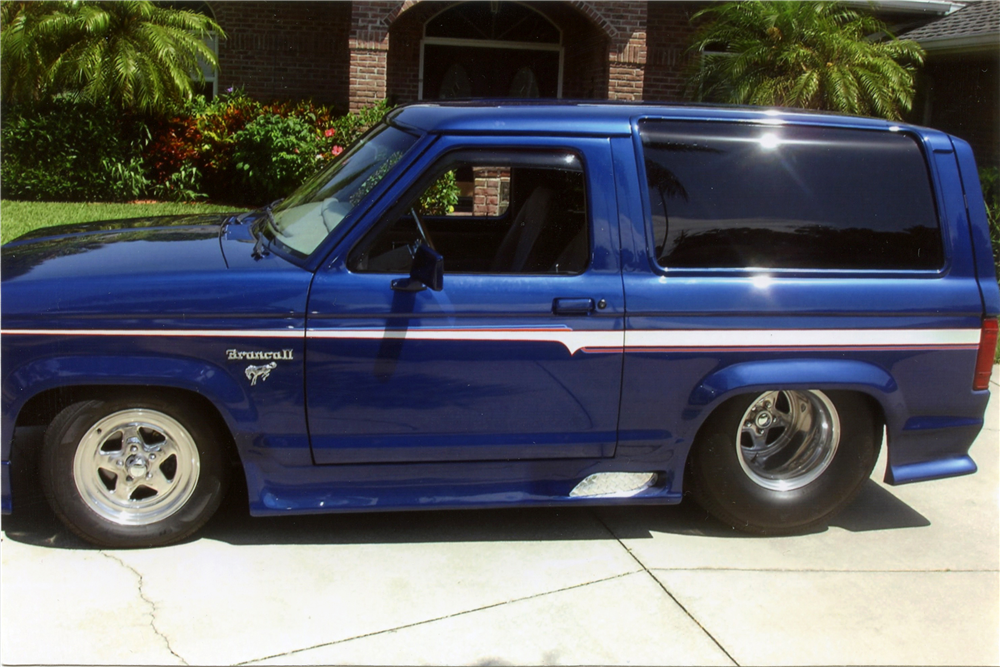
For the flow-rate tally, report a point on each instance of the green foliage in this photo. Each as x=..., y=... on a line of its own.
x=350, y=127
x=813, y=55
x=250, y=152
x=989, y=179
x=184, y=185
x=135, y=54
x=231, y=149
x=20, y=217
x=272, y=155
x=74, y=151
x=442, y=197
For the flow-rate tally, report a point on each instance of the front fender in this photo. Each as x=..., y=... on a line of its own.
x=210, y=380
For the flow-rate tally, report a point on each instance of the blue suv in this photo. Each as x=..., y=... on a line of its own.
x=482, y=305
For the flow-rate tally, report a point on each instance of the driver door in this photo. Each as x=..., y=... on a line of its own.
x=518, y=357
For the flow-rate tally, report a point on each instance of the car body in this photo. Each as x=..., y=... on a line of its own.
x=604, y=324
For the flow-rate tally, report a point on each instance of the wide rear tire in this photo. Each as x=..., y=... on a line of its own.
x=784, y=461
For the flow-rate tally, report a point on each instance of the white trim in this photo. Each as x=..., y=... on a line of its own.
x=162, y=333
x=574, y=341
x=801, y=338
x=489, y=44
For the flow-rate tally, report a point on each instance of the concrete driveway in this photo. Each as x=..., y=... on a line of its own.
x=907, y=575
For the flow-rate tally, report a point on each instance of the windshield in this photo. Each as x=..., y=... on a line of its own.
x=308, y=215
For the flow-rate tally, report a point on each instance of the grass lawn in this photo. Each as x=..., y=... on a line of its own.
x=20, y=217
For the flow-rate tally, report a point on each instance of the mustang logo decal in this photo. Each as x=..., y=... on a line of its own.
x=254, y=373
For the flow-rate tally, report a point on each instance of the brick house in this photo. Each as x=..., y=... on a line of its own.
x=352, y=53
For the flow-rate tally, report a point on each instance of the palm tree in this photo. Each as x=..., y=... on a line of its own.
x=813, y=55
x=133, y=53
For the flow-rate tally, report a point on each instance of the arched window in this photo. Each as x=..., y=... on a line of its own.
x=490, y=50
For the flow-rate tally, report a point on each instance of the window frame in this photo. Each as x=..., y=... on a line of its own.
x=933, y=179
x=456, y=157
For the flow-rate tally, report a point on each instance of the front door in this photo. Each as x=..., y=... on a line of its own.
x=519, y=356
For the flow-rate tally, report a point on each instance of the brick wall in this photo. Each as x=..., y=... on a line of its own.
x=353, y=53
x=488, y=197
x=585, y=51
x=626, y=23
x=287, y=50
x=668, y=33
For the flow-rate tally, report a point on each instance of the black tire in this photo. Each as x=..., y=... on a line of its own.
x=730, y=484
x=133, y=472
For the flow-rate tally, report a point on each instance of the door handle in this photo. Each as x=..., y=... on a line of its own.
x=572, y=306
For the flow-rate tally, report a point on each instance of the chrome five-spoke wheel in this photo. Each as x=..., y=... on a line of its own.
x=134, y=471
x=787, y=439
x=784, y=460
x=136, y=467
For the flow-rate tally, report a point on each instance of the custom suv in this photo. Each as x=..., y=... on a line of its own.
x=488, y=305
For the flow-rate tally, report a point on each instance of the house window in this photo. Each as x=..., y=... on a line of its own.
x=490, y=50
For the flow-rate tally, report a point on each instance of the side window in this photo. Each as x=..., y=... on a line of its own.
x=493, y=213
x=727, y=195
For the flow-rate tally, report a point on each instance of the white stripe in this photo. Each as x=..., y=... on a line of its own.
x=162, y=333
x=573, y=341
x=801, y=338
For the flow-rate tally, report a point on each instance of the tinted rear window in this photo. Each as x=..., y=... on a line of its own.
x=735, y=195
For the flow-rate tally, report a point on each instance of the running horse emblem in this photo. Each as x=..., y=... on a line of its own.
x=255, y=373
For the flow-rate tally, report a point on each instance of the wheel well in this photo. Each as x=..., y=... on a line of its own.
x=41, y=409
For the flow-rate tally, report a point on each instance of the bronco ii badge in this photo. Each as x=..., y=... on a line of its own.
x=254, y=373
x=283, y=355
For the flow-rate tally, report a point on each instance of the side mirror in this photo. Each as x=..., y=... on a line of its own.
x=427, y=270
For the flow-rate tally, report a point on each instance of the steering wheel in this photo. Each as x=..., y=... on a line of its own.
x=421, y=228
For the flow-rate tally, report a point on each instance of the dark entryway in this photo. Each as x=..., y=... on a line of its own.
x=495, y=49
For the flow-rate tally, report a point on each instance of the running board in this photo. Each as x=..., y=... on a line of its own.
x=613, y=485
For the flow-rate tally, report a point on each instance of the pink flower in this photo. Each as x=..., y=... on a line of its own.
x=337, y=150
x=330, y=132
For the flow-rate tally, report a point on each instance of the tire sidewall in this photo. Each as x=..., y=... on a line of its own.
x=62, y=441
x=725, y=489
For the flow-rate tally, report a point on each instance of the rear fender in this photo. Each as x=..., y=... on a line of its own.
x=760, y=376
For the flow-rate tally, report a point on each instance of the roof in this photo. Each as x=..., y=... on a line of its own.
x=592, y=118
x=974, y=27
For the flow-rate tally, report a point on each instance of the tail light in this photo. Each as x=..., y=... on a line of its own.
x=984, y=360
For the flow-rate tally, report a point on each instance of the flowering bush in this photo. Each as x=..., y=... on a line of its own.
x=247, y=152
x=232, y=149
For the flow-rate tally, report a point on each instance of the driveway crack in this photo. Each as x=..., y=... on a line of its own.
x=666, y=590
x=152, y=605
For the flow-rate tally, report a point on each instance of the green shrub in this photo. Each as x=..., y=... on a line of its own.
x=440, y=198
x=272, y=155
x=232, y=149
x=72, y=152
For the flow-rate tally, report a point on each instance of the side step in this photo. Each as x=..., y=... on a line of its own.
x=613, y=485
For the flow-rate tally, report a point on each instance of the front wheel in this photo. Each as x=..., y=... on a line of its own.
x=133, y=473
x=784, y=461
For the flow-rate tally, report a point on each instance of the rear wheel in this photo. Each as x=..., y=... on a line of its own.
x=132, y=473
x=783, y=461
